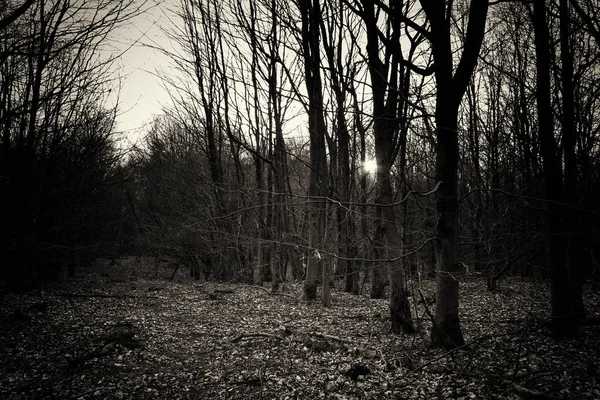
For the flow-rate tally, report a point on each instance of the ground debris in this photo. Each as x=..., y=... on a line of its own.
x=121, y=342
x=357, y=370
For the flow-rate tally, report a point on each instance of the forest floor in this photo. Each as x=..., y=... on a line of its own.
x=126, y=332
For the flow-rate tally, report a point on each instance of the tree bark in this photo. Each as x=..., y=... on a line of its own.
x=386, y=115
x=569, y=134
x=318, y=180
x=340, y=162
x=564, y=323
x=446, y=331
x=378, y=278
x=362, y=180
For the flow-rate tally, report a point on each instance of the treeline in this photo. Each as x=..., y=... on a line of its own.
x=59, y=159
x=482, y=119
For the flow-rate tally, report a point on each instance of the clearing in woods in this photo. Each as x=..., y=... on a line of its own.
x=126, y=332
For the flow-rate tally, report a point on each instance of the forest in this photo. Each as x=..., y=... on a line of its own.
x=340, y=199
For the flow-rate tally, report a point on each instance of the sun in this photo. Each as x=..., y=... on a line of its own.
x=370, y=167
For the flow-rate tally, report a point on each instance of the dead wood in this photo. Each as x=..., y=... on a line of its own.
x=253, y=335
x=102, y=296
x=530, y=394
x=334, y=338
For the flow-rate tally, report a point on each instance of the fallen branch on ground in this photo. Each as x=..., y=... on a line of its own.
x=251, y=335
x=101, y=296
x=464, y=346
x=527, y=394
x=334, y=338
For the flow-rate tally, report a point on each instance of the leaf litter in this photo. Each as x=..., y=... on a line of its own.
x=134, y=338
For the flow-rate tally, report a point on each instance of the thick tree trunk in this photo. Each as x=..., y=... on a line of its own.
x=327, y=281
x=351, y=270
x=569, y=142
x=379, y=276
x=311, y=13
x=351, y=283
x=446, y=332
x=564, y=323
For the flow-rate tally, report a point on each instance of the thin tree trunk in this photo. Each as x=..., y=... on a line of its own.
x=399, y=301
x=362, y=223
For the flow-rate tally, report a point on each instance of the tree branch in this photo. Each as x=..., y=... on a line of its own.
x=473, y=41
x=15, y=14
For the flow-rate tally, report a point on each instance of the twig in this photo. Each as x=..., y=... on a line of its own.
x=102, y=296
x=525, y=198
x=427, y=310
x=394, y=204
x=334, y=338
x=251, y=335
x=466, y=365
x=450, y=352
x=82, y=395
x=532, y=394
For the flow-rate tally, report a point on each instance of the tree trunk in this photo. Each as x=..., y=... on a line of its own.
x=378, y=278
x=386, y=114
x=446, y=331
x=399, y=303
x=311, y=14
x=340, y=162
x=564, y=323
x=361, y=210
x=474, y=140
x=569, y=141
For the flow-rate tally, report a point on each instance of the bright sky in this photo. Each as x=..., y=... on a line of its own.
x=141, y=94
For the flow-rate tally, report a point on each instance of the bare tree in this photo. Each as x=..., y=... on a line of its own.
x=15, y=14
x=336, y=26
x=390, y=81
x=564, y=322
x=569, y=141
x=451, y=85
x=57, y=130
x=310, y=14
